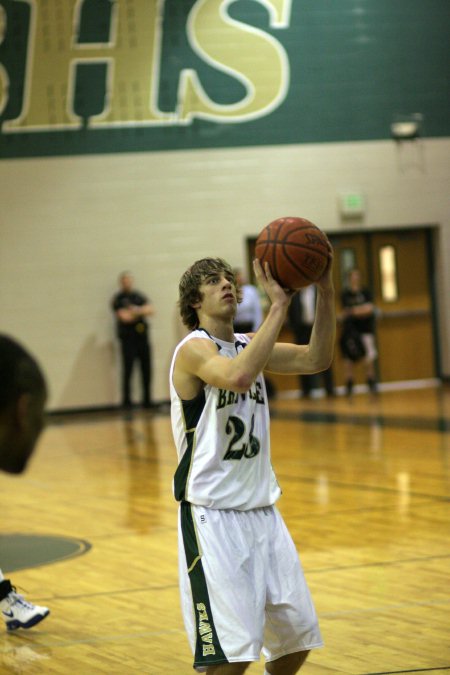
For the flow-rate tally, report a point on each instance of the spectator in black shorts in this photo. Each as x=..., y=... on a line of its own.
x=359, y=314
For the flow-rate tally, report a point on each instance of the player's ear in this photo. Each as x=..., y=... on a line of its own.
x=198, y=302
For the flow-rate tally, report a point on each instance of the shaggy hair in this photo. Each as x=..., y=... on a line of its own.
x=189, y=287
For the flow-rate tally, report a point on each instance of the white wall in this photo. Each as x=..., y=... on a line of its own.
x=68, y=226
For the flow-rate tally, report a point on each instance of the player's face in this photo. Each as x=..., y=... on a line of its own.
x=218, y=293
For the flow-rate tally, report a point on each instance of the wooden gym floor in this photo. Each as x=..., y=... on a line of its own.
x=366, y=487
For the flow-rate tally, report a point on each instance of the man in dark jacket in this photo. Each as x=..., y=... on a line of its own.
x=132, y=308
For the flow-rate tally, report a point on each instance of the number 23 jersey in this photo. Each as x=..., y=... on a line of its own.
x=222, y=440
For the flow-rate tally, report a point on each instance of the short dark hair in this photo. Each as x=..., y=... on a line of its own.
x=19, y=373
x=190, y=283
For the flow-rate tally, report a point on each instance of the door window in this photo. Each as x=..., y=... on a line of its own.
x=387, y=261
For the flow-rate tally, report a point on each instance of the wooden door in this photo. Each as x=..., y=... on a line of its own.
x=405, y=323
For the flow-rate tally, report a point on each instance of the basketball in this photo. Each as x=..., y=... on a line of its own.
x=296, y=250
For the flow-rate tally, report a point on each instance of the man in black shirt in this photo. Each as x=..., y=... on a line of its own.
x=132, y=309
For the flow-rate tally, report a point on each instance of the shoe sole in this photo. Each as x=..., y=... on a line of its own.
x=14, y=625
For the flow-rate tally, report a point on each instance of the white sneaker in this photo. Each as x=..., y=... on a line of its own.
x=18, y=613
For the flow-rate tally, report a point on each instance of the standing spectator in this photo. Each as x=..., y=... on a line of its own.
x=132, y=308
x=23, y=393
x=249, y=314
x=301, y=315
x=359, y=316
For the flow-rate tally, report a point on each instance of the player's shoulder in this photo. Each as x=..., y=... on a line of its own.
x=195, y=339
x=196, y=348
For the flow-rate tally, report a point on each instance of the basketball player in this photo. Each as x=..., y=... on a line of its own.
x=23, y=393
x=242, y=586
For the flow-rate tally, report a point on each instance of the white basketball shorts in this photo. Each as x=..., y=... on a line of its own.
x=242, y=587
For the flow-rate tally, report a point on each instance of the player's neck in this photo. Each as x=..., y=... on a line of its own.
x=223, y=330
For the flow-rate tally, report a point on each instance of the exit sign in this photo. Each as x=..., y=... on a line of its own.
x=352, y=204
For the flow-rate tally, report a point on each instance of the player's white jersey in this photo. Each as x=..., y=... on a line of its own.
x=222, y=441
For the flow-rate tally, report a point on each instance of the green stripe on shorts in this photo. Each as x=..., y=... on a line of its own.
x=208, y=651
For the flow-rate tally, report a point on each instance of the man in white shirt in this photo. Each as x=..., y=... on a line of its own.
x=249, y=314
x=301, y=319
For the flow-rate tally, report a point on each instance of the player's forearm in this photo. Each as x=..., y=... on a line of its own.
x=253, y=359
x=323, y=335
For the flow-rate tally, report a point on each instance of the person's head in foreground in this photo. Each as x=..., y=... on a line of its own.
x=23, y=393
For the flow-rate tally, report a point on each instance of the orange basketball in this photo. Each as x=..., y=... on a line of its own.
x=296, y=250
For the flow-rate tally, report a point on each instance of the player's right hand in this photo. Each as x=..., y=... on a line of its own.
x=276, y=294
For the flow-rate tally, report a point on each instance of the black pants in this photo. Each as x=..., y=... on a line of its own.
x=136, y=348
